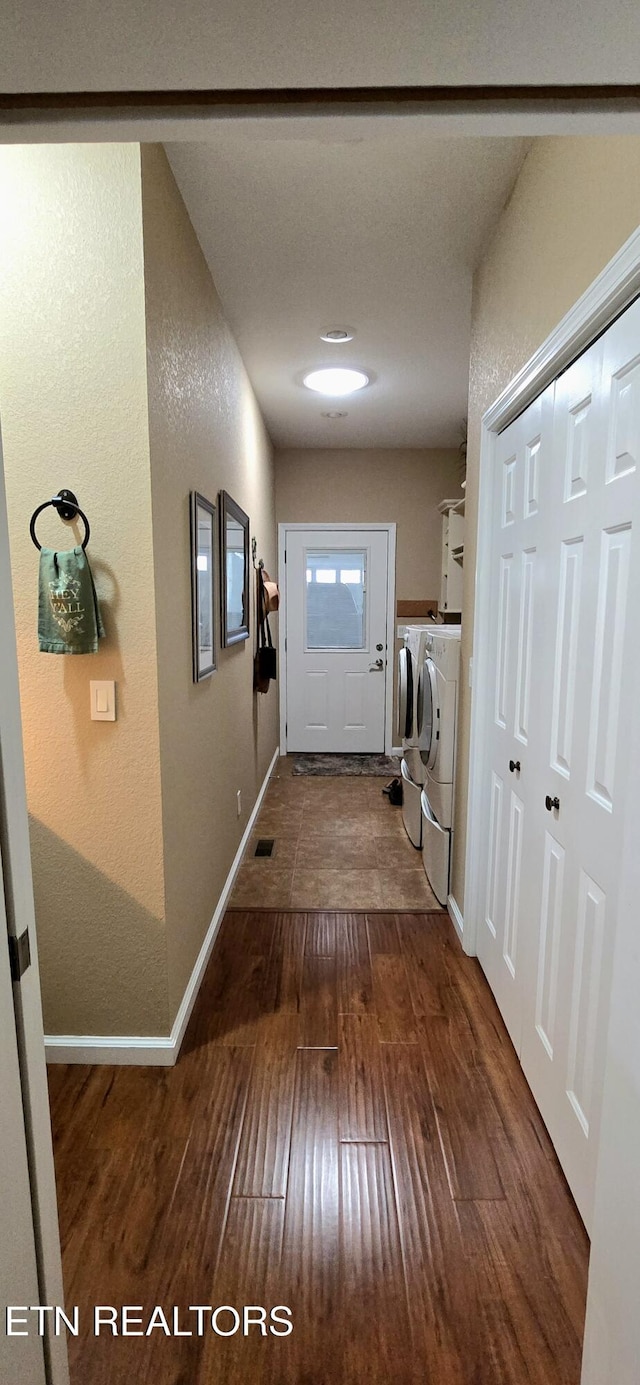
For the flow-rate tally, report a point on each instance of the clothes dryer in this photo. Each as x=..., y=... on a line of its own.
x=410, y=660
x=414, y=769
x=436, y=714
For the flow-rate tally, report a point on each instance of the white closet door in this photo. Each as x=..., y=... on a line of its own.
x=520, y=496
x=586, y=699
x=565, y=574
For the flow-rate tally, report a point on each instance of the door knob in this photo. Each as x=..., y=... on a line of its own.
x=377, y=667
x=550, y=803
x=513, y=765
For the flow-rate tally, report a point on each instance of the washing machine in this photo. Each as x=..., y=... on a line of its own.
x=436, y=714
x=410, y=660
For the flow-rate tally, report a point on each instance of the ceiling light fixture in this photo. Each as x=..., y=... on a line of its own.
x=337, y=334
x=335, y=381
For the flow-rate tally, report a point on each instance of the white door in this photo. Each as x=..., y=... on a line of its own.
x=336, y=633
x=595, y=508
x=519, y=596
x=563, y=566
x=28, y=1213
x=21, y=1358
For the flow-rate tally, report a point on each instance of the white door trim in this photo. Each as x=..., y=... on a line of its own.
x=16, y=881
x=608, y=296
x=390, y=530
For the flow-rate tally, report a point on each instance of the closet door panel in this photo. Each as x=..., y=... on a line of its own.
x=520, y=482
x=565, y=574
x=591, y=532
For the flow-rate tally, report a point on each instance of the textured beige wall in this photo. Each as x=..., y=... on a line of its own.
x=575, y=203
x=73, y=405
x=206, y=434
x=120, y=379
x=375, y=487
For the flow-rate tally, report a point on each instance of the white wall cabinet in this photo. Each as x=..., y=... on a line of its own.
x=452, y=556
x=564, y=574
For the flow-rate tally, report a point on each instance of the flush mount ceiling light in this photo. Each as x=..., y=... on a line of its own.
x=335, y=381
x=337, y=334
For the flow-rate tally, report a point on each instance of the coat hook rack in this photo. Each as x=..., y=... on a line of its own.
x=66, y=504
x=254, y=550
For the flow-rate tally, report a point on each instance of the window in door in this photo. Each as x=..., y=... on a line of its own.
x=335, y=598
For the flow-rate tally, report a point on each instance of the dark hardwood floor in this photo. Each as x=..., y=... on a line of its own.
x=347, y=1133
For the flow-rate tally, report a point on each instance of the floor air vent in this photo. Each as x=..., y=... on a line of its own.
x=264, y=846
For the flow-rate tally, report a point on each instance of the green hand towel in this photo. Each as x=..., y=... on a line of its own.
x=69, y=620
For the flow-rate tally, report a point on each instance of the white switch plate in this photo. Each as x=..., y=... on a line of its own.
x=103, y=700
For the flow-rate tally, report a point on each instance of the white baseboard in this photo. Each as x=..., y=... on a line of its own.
x=162, y=1051
x=454, y=913
x=110, y=1048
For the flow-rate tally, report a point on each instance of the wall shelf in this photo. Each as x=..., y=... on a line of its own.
x=452, y=506
x=452, y=512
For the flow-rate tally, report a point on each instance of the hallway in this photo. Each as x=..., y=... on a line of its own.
x=348, y=1133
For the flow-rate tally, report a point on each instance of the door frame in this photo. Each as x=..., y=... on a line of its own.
x=17, y=884
x=610, y=293
x=390, y=530
x=67, y=118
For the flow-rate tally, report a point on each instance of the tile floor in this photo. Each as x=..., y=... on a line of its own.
x=339, y=844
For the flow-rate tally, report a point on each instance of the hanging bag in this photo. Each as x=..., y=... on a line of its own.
x=267, y=654
x=264, y=664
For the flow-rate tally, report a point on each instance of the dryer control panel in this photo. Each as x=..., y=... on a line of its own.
x=443, y=648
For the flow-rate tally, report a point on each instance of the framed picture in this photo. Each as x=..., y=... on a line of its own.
x=234, y=530
x=203, y=568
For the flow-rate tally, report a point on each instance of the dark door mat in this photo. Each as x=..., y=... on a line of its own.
x=346, y=764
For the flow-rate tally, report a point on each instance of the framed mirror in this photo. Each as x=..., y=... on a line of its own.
x=234, y=529
x=203, y=568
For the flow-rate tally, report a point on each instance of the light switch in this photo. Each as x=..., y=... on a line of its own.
x=103, y=701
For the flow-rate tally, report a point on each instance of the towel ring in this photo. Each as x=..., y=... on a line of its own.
x=67, y=506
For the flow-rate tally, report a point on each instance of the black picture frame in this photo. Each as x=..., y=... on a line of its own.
x=203, y=541
x=234, y=570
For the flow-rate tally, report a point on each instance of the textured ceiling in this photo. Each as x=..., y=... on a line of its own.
x=373, y=224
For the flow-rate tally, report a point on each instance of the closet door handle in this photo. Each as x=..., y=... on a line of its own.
x=513, y=765
x=550, y=803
